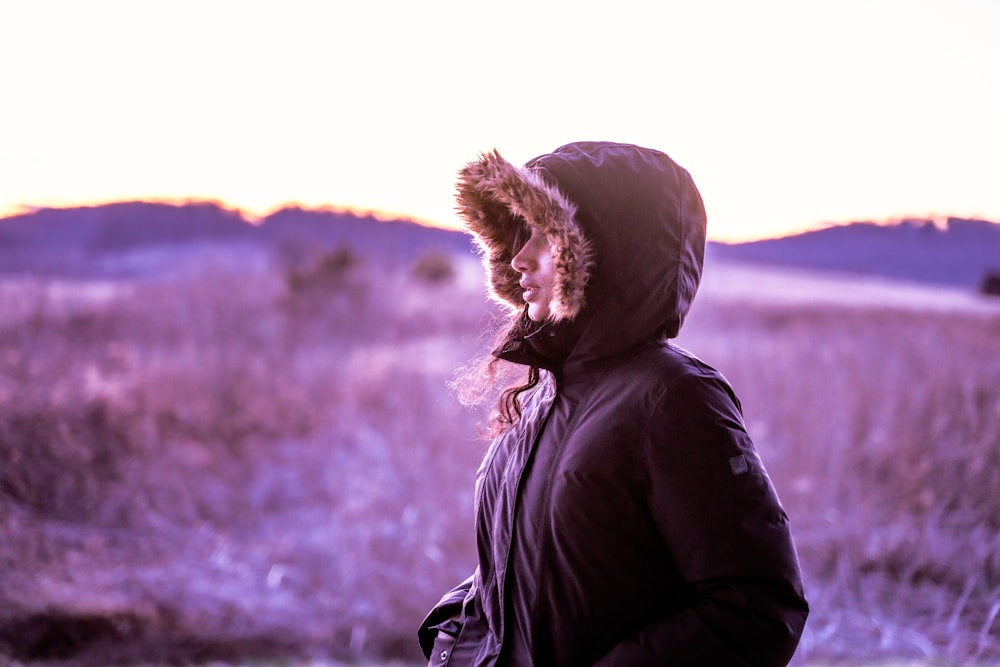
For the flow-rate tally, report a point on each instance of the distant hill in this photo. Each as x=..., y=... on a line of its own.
x=129, y=238
x=119, y=225
x=136, y=238
x=395, y=239
x=959, y=253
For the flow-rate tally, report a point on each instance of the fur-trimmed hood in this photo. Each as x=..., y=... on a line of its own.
x=498, y=201
x=627, y=227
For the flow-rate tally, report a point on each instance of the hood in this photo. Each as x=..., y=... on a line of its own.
x=627, y=227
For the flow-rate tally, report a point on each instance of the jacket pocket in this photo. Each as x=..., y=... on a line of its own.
x=441, y=651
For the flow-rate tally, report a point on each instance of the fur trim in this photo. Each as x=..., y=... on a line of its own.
x=497, y=200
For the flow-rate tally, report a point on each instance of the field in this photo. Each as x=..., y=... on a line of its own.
x=269, y=465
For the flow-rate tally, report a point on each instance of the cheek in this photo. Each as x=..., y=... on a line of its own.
x=547, y=272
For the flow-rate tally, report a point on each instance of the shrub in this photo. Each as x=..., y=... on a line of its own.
x=434, y=266
x=61, y=468
x=991, y=283
x=329, y=271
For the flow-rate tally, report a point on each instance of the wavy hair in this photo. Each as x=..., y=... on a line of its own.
x=489, y=376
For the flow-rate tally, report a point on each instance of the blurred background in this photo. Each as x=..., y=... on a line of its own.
x=233, y=300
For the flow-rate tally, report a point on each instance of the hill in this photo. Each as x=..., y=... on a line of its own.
x=395, y=239
x=958, y=253
x=131, y=239
x=139, y=238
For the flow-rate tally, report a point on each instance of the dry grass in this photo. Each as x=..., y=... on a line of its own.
x=881, y=428
x=224, y=467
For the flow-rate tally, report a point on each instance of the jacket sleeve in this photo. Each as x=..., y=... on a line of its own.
x=443, y=616
x=726, y=533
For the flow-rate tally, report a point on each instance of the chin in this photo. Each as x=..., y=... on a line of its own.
x=537, y=314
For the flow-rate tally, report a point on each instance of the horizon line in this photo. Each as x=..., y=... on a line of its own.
x=254, y=218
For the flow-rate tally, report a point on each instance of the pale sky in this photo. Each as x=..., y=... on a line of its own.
x=789, y=114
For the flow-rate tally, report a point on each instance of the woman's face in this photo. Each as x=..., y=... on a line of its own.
x=534, y=262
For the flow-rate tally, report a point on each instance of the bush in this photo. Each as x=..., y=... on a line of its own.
x=991, y=283
x=61, y=468
x=435, y=266
x=331, y=270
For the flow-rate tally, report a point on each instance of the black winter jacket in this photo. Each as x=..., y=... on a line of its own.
x=626, y=519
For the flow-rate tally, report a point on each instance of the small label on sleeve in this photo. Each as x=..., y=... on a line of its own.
x=738, y=464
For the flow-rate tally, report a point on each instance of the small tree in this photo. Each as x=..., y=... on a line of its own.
x=329, y=271
x=991, y=283
x=434, y=266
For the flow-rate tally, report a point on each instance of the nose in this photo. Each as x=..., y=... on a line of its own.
x=521, y=261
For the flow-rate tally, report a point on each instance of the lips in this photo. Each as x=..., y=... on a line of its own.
x=529, y=291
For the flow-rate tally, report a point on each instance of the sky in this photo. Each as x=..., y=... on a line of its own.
x=790, y=114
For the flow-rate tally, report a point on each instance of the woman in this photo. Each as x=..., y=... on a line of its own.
x=623, y=516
